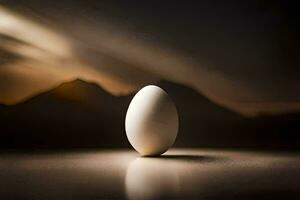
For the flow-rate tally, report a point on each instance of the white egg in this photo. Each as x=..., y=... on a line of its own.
x=151, y=121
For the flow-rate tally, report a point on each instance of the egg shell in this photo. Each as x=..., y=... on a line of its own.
x=151, y=121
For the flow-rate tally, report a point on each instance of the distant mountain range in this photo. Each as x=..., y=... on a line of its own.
x=75, y=114
x=79, y=114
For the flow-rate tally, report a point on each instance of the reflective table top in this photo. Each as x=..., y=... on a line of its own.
x=123, y=174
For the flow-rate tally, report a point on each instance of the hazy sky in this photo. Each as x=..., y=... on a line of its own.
x=242, y=55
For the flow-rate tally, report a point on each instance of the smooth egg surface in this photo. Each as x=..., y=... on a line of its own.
x=151, y=121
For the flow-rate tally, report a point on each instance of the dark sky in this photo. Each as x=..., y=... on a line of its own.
x=241, y=54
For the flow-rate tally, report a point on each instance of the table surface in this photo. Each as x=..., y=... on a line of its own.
x=178, y=174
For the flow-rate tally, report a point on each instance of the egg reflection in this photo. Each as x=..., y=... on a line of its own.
x=151, y=178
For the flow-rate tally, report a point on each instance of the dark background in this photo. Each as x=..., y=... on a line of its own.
x=255, y=43
x=51, y=120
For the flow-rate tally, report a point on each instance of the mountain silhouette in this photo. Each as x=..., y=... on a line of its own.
x=76, y=96
x=81, y=114
x=74, y=114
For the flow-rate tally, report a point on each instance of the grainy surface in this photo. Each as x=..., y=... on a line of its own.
x=122, y=174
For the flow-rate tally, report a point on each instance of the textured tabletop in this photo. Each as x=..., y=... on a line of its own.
x=178, y=174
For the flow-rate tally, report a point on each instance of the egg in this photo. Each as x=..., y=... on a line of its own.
x=151, y=122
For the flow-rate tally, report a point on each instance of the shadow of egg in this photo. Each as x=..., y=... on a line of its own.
x=151, y=178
